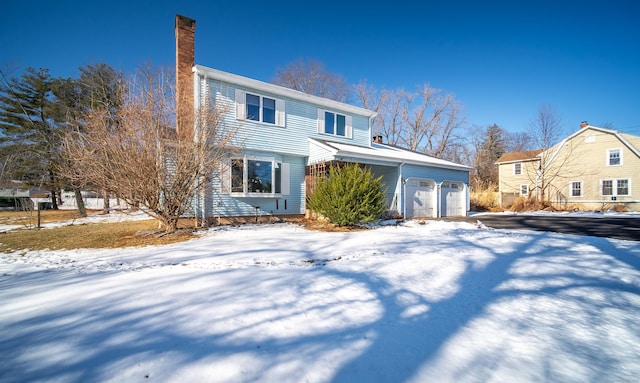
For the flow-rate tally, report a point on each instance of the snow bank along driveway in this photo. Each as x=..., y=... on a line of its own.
x=441, y=302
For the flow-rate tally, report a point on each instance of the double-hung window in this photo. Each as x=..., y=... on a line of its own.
x=517, y=168
x=619, y=187
x=607, y=187
x=622, y=187
x=256, y=107
x=335, y=124
x=524, y=189
x=576, y=189
x=258, y=177
x=614, y=157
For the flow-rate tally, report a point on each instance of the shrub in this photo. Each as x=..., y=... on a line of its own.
x=348, y=196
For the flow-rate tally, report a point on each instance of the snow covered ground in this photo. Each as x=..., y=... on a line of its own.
x=439, y=302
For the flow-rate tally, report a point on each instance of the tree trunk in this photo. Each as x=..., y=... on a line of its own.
x=106, y=207
x=80, y=202
x=54, y=200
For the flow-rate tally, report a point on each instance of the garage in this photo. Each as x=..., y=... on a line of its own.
x=453, y=198
x=420, y=200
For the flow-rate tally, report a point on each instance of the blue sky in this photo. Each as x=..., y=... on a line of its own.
x=501, y=59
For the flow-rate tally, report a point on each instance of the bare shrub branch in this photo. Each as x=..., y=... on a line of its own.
x=142, y=160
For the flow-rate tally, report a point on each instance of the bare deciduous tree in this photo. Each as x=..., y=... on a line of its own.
x=425, y=120
x=545, y=130
x=144, y=162
x=311, y=77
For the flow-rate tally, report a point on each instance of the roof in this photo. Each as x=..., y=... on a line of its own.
x=625, y=139
x=280, y=90
x=519, y=156
x=382, y=152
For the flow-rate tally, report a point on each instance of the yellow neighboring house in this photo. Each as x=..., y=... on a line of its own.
x=592, y=169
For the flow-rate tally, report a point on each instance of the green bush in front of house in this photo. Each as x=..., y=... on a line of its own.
x=348, y=196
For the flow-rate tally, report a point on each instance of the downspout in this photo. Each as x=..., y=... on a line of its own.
x=439, y=197
x=402, y=191
x=370, y=128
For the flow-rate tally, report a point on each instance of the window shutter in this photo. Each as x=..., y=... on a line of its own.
x=286, y=175
x=279, y=112
x=225, y=178
x=348, y=127
x=240, y=105
x=320, y=121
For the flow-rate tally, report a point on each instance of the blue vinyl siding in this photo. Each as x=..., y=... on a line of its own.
x=287, y=141
x=300, y=123
x=225, y=205
x=436, y=174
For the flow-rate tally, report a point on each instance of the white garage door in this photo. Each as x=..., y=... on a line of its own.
x=453, y=199
x=420, y=200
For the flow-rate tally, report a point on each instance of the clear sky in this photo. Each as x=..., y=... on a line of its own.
x=501, y=59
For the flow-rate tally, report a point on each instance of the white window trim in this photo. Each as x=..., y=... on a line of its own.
x=285, y=177
x=514, y=169
x=241, y=108
x=520, y=190
x=348, y=122
x=628, y=187
x=614, y=187
x=571, y=189
x=608, y=159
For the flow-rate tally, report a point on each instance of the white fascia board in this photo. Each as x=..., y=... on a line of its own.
x=280, y=91
x=374, y=154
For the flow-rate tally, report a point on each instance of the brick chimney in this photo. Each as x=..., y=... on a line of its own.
x=584, y=124
x=377, y=139
x=185, y=60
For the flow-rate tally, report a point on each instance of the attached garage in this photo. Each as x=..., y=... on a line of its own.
x=421, y=198
x=453, y=198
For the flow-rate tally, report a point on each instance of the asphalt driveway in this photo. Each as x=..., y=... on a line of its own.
x=627, y=228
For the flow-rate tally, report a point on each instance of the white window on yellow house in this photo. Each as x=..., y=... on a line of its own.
x=614, y=157
x=575, y=189
x=618, y=187
x=524, y=189
x=517, y=168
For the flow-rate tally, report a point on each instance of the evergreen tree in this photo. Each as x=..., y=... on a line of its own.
x=348, y=196
x=29, y=129
x=491, y=146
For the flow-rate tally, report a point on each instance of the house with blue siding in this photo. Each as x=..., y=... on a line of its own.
x=285, y=138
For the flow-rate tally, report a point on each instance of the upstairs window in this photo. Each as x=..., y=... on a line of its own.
x=614, y=157
x=517, y=168
x=334, y=124
x=255, y=107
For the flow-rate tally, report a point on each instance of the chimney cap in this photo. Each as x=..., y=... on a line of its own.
x=583, y=124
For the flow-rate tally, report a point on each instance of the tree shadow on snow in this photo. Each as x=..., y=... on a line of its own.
x=507, y=299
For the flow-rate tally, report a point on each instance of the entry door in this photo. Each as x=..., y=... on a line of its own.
x=452, y=199
x=420, y=201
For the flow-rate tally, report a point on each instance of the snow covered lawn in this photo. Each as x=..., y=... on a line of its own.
x=441, y=302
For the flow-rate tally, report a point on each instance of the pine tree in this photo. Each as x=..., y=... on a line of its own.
x=29, y=129
x=348, y=196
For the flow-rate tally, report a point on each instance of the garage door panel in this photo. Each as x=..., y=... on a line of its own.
x=453, y=201
x=420, y=198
